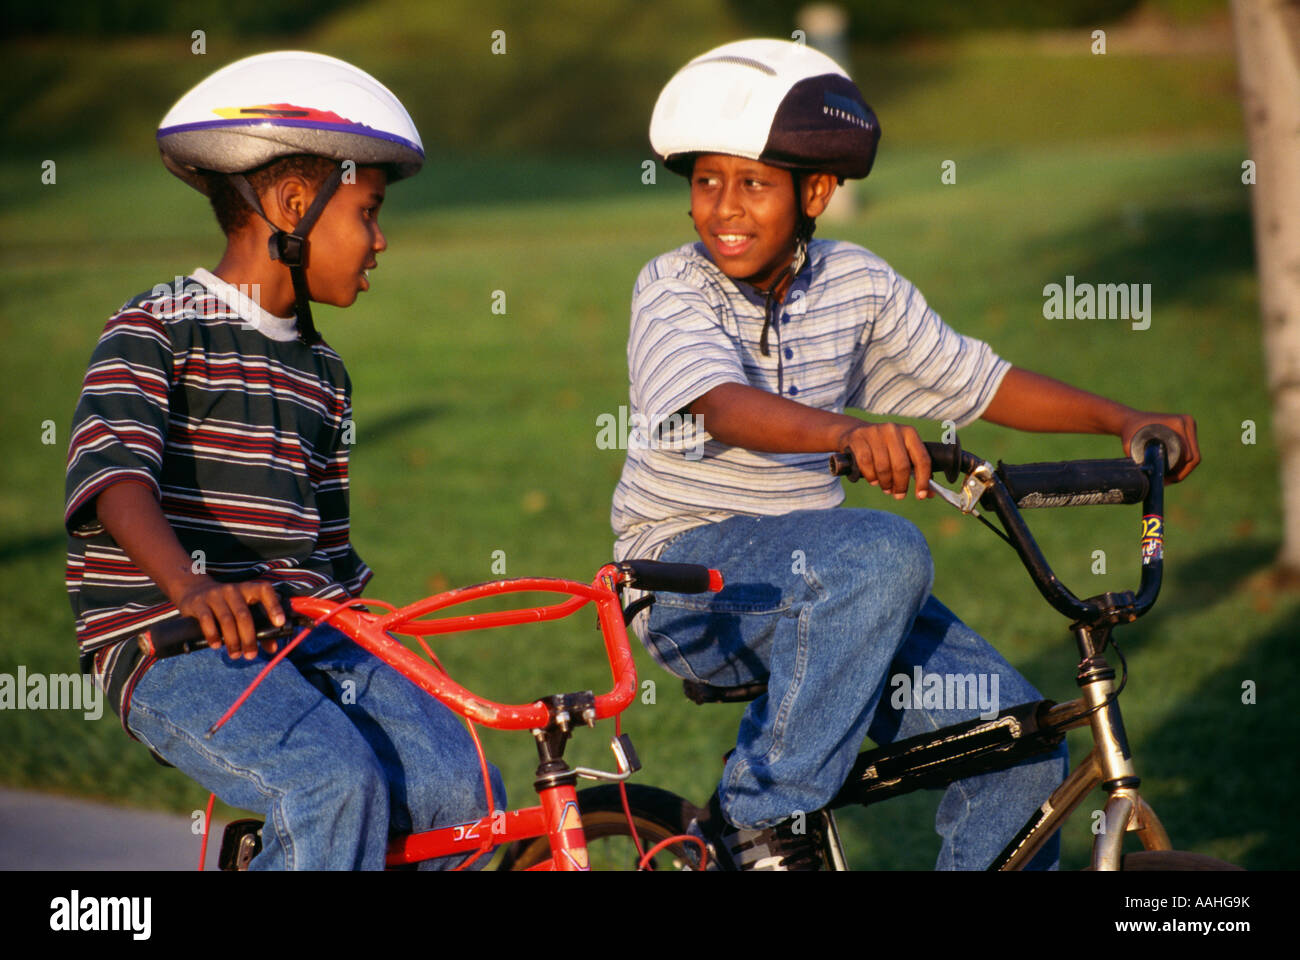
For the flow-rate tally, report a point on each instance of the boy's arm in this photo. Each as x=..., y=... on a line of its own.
x=1031, y=401
x=136, y=522
x=886, y=453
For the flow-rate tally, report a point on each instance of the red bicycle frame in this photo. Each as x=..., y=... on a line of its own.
x=557, y=817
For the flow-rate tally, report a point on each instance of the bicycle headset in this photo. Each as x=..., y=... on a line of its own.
x=775, y=101
x=280, y=104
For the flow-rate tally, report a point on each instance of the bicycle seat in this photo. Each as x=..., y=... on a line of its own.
x=702, y=693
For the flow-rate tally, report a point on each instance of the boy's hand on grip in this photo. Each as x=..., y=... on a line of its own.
x=886, y=455
x=1182, y=424
x=222, y=612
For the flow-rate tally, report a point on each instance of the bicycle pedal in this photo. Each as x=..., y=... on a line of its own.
x=240, y=843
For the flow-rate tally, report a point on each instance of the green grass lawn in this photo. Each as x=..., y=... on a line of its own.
x=476, y=433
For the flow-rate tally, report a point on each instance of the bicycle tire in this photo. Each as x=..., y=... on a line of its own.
x=1151, y=861
x=657, y=813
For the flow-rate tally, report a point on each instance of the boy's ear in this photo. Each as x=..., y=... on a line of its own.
x=289, y=197
x=817, y=191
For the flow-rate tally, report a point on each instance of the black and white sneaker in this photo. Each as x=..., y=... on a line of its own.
x=797, y=843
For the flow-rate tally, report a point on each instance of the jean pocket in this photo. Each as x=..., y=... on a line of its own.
x=664, y=651
x=133, y=717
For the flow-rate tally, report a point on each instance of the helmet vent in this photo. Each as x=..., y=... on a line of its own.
x=740, y=61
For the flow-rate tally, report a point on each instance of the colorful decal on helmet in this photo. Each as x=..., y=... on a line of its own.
x=330, y=121
x=1153, y=538
x=280, y=111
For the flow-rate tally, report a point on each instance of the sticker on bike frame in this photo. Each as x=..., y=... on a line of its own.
x=1153, y=538
x=465, y=831
x=571, y=825
x=578, y=857
x=570, y=819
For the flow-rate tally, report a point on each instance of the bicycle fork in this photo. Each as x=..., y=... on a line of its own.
x=1125, y=809
x=1109, y=765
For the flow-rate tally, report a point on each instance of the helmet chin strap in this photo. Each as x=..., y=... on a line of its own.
x=804, y=227
x=290, y=248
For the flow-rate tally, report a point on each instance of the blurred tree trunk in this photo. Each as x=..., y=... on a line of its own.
x=1268, y=65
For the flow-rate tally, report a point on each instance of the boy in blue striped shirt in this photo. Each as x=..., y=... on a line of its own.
x=764, y=337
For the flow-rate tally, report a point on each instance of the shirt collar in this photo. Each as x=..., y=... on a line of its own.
x=267, y=324
x=802, y=280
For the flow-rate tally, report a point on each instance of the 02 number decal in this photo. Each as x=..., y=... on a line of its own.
x=1153, y=538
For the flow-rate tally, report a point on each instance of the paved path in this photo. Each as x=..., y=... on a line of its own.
x=41, y=831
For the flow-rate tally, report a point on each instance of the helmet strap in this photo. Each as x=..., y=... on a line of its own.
x=290, y=248
x=803, y=231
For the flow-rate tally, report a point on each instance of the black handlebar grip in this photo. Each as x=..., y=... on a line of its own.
x=1073, y=483
x=172, y=638
x=672, y=577
x=1157, y=431
x=842, y=465
x=945, y=458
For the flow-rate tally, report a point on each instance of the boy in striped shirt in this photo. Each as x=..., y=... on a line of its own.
x=763, y=337
x=208, y=469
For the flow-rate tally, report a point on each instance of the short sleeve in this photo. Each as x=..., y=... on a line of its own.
x=912, y=364
x=120, y=424
x=677, y=350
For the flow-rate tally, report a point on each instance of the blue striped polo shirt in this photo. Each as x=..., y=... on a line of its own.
x=851, y=333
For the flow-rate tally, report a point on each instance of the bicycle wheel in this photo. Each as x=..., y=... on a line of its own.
x=657, y=814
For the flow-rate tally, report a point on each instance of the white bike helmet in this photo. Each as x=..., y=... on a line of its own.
x=775, y=101
x=276, y=105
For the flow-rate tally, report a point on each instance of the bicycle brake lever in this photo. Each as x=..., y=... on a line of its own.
x=977, y=482
x=946, y=494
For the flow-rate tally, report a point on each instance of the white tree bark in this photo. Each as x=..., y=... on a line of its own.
x=1268, y=65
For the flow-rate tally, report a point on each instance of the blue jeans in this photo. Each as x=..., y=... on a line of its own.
x=335, y=749
x=833, y=607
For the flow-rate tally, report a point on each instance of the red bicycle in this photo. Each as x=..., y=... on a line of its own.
x=554, y=835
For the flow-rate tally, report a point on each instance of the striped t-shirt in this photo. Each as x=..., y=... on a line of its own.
x=850, y=333
x=239, y=429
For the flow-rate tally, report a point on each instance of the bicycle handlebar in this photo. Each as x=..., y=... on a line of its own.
x=671, y=577
x=1070, y=483
x=176, y=637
